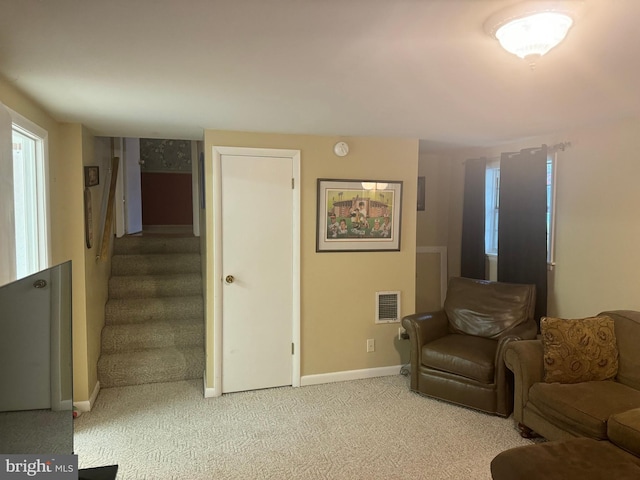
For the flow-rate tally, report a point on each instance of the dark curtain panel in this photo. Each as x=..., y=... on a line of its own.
x=522, y=226
x=473, y=220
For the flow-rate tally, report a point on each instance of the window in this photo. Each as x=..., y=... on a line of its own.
x=29, y=196
x=550, y=206
x=492, y=206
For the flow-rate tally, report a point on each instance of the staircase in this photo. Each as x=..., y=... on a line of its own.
x=154, y=318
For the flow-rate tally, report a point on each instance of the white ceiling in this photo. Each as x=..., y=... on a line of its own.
x=409, y=68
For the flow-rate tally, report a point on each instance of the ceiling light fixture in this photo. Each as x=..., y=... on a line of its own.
x=530, y=29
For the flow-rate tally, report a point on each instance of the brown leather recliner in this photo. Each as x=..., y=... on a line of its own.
x=457, y=352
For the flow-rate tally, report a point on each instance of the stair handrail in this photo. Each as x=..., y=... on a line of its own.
x=108, y=222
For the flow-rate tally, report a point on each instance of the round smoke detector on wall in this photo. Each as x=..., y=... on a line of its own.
x=341, y=149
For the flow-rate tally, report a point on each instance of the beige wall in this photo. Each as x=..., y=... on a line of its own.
x=90, y=277
x=96, y=152
x=334, y=328
x=68, y=148
x=597, y=222
x=67, y=208
x=428, y=281
x=597, y=226
x=432, y=230
x=432, y=223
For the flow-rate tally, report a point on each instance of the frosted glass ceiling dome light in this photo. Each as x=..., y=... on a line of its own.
x=530, y=29
x=534, y=35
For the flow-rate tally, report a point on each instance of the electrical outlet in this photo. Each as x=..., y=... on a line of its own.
x=401, y=331
x=371, y=345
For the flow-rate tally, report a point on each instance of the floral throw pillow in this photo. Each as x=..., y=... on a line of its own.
x=579, y=350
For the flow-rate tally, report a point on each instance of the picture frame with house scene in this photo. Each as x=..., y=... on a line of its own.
x=358, y=215
x=91, y=176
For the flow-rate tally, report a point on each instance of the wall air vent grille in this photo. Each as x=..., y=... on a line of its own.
x=387, y=307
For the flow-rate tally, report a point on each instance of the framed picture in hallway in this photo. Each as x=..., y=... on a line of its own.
x=91, y=176
x=358, y=215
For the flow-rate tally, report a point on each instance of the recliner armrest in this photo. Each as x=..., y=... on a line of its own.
x=423, y=328
x=525, y=359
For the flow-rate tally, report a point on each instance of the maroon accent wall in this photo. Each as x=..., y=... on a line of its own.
x=166, y=199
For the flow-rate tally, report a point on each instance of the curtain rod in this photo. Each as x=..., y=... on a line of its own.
x=559, y=146
x=562, y=146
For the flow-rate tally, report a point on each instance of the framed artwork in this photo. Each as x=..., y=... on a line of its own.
x=421, y=193
x=91, y=176
x=358, y=215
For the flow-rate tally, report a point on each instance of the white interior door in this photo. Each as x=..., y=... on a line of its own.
x=257, y=271
x=132, y=186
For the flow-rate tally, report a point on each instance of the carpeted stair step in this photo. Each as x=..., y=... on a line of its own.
x=150, y=366
x=129, y=245
x=138, y=286
x=140, y=310
x=155, y=264
x=154, y=328
x=135, y=337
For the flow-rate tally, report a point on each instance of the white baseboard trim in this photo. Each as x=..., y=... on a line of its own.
x=85, y=405
x=349, y=375
x=332, y=377
x=209, y=392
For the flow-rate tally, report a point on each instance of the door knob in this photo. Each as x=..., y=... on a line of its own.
x=229, y=279
x=40, y=283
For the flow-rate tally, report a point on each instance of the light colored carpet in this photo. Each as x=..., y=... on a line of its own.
x=364, y=429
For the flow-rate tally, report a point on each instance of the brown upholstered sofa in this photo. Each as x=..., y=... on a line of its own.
x=560, y=411
x=457, y=352
x=594, y=426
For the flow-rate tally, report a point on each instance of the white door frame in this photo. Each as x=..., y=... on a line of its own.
x=195, y=186
x=41, y=136
x=216, y=289
x=132, y=187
